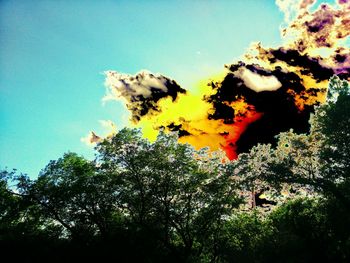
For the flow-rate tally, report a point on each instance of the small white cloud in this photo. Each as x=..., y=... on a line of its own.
x=91, y=139
x=110, y=127
x=257, y=82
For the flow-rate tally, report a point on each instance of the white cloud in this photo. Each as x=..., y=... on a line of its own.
x=257, y=82
x=130, y=87
x=91, y=139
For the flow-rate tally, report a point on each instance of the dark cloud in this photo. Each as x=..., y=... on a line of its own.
x=178, y=128
x=308, y=64
x=279, y=109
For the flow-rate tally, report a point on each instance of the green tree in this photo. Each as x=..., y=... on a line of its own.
x=247, y=237
x=70, y=192
x=319, y=161
x=333, y=121
x=10, y=207
x=300, y=231
x=185, y=193
x=23, y=228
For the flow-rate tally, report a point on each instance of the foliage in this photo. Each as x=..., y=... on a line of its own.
x=247, y=237
x=184, y=193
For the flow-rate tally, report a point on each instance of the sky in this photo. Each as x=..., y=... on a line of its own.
x=53, y=55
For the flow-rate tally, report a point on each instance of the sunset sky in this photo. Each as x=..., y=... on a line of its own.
x=53, y=55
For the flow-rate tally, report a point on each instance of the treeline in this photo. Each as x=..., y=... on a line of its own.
x=165, y=202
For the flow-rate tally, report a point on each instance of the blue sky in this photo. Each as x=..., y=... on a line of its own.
x=53, y=53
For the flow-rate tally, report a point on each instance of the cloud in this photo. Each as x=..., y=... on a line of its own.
x=271, y=90
x=91, y=139
x=257, y=82
x=141, y=92
x=294, y=8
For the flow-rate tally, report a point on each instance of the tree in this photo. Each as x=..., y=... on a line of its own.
x=300, y=231
x=70, y=192
x=314, y=163
x=23, y=228
x=247, y=237
x=337, y=87
x=10, y=207
x=333, y=121
x=185, y=193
